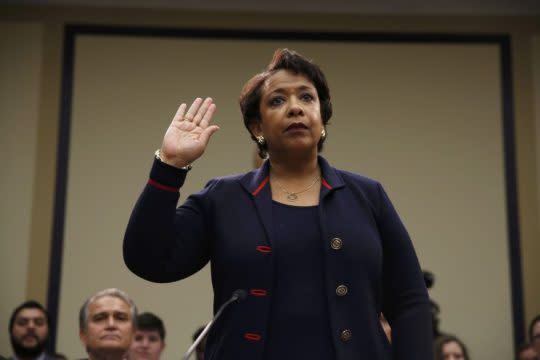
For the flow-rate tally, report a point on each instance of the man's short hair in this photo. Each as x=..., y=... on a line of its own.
x=30, y=304
x=112, y=292
x=150, y=322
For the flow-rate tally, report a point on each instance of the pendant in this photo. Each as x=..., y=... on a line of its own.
x=292, y=197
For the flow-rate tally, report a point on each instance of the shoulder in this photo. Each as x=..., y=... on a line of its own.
x=351, y=178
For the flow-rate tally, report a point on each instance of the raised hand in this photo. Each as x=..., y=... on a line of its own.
x=189, y=133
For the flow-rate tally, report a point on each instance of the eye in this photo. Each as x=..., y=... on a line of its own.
x=121, y=316
x=276, y=100
x=307, y=97
x=99, y=317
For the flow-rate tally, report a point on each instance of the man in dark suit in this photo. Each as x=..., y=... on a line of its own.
x=29, y=331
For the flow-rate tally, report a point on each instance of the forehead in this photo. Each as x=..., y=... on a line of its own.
x=147, y=333
x=452, y=346
x=536, y=328
x=30, y=313
x=285, y=79
x=108, y=304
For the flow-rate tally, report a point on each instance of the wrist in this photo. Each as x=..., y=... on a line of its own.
x=161, y=158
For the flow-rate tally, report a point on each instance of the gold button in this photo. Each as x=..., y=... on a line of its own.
x=342, y=290
x=336, y=243
x=346, y=335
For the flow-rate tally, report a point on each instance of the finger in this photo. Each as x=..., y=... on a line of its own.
x=202, y=110
x=208, y=115
x=207, y=133
x=193, y=109
x=180, y=112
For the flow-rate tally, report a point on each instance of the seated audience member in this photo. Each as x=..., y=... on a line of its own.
x=199, y=351
x=534, y=334
x=29, y=331
x=149, y=339
x=449, y=347
x=107, y=322
x=525, y=352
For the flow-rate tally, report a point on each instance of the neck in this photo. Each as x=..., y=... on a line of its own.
x=29, y=358
x=293, y=167
x=107, y=355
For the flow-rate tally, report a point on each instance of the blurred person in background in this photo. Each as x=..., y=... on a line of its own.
x=149, y=339
x=107, y=322
x=449, y=347
x=29, y=332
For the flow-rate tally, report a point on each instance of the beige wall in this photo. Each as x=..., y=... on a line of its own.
x=20, y=69
x=35, y=231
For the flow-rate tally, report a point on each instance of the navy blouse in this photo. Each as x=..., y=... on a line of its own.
x=299, y=311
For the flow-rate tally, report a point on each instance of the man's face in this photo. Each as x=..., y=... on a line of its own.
x=146, y=345
x=527, y=354
x=29, y=333
x=535, y=339
x=110, y=328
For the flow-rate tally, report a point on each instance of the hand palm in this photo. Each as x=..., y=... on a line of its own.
x=189, y=133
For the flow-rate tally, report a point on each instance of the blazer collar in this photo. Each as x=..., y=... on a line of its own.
x=257, y=182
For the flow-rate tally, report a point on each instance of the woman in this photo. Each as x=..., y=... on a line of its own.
x=320, y=251
x=449, y=347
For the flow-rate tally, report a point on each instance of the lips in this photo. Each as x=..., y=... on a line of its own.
x=296, y=126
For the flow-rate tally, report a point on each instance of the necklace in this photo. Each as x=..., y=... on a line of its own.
x=293, y=196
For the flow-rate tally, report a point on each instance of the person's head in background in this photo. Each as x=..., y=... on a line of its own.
x=526, y=352
x=199, y=351
x=107, y=322
x=149, y=339
x=29, y=330
x=449, y=347
x=534, y=334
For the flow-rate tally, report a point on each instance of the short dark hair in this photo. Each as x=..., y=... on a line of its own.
x=445, y=339
x=150, y=322
x=283, y=59
x=30, y=304
x=531, y=326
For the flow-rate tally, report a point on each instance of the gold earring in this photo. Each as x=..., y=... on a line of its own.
x=260, y=140
x=323, y=134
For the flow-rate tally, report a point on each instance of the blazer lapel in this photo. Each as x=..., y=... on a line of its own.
x=257, y=184
x=330, y=179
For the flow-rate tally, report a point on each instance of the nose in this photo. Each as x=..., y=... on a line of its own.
x=111, y=322
x=31, y=324
x=295, y=107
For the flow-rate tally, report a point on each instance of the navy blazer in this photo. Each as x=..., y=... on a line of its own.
x=370, y=263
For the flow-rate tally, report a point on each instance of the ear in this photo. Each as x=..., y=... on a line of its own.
x=82, y=336
x=255, y=128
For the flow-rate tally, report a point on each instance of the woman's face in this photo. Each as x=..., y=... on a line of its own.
x=452, y=351
x=290, y=114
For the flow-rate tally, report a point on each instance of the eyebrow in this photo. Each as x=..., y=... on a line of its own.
x=301, y=87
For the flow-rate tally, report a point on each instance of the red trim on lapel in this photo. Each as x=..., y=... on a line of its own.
x=154, y=183
x=258, y=292
x=264, y=249
x=252, y=336
x=259, y=188
x=327, y=185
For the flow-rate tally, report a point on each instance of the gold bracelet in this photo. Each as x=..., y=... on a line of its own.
x=158, y=156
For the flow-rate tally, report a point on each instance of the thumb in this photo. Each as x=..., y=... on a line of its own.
x=207, y=133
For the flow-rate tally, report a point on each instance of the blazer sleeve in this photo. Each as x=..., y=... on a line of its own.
x=163, y=243
x=405, y=298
